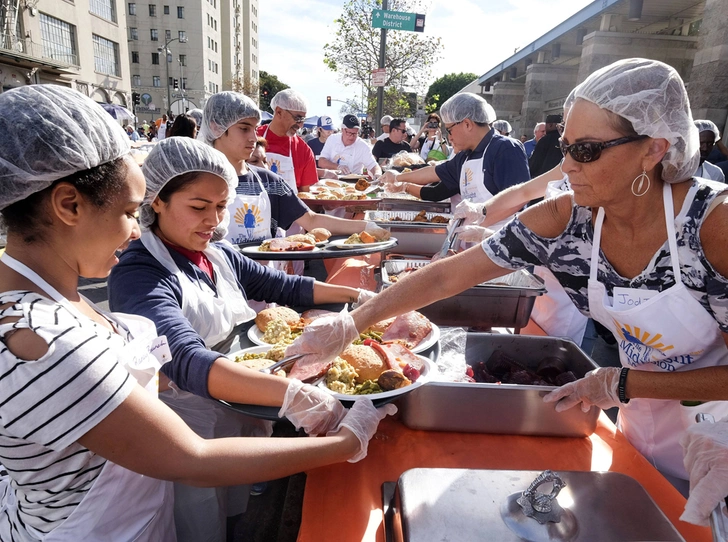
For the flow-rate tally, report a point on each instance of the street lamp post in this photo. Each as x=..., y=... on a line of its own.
x=167, y=54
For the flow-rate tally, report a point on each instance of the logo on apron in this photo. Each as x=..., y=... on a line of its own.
x=274, y=165
x=641, y=347
x=468, y=176
x=248, y=216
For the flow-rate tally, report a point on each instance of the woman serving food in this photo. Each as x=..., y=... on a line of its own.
x=639, y=247
x=85, y=443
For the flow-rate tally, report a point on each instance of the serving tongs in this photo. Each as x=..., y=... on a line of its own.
x=718, y=520
x=451, y=237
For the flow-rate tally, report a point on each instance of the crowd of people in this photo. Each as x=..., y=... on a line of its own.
x=124, y=407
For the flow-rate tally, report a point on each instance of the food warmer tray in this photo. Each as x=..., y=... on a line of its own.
x=391, y=203
x=502, y=302
x=502, y=408
x=474, y=505
x=424, y=238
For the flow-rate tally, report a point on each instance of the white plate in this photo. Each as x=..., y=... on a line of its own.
x=339, y=243
x=256, y=337
x=427, y=370
x=255, y=250
x=251, y=350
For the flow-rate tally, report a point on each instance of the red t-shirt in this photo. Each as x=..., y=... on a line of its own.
x=304, y=163
x=197, y=258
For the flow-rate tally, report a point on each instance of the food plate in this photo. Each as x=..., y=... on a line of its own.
x=341, y=244
x=256, y=337
x=254, y=250
x=427, y=370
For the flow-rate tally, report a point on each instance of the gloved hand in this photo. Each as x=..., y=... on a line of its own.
x=598, y=387
x=362, y=420
x=473, y=234
x=311, y=408
x=329, y=174
x=706, y=460
x=395, y=187
x=344, y=169
x=364, y=296
x=382, y=234
x=471, y=212
x=324, y=339
x=388, y=177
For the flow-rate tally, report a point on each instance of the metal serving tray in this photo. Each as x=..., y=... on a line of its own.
x=467, y=505
x=390, y=203
x=424, y=238
x=502, y=408
x=386, y=218
x=502, y=302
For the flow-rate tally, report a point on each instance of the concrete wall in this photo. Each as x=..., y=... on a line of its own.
x=507, y=99
x=602, y=48
x=546, y=87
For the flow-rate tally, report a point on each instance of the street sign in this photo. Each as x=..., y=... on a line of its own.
x=398, y=20
x=379, y=76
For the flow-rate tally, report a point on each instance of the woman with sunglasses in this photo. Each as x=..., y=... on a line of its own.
x=639, y=247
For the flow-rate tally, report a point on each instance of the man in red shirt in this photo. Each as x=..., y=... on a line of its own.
x=287, y=154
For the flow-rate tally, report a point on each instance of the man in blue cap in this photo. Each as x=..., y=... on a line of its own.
x=324, y=128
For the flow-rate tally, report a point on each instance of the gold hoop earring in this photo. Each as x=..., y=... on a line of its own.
x=641, y=178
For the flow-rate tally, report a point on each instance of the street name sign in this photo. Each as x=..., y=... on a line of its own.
x=398, y=20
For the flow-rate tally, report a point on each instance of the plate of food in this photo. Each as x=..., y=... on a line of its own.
x=360, y=240
x=281, y=325
x=300, y=242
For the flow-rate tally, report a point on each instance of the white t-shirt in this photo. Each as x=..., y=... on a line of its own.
x=48, y=404
x=706, y=170
x=382, y=136
x=356, y=156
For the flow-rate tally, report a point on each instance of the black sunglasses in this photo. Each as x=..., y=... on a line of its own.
x=589, y=151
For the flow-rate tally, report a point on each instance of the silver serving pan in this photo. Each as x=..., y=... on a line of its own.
x=389, y=203
x=502, y=408
x=502, y=302
x=425, y=238
x=468, y=505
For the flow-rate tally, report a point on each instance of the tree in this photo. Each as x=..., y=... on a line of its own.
x=246, y=85
x=269, y=85
x=445, y=87
x=354, y=53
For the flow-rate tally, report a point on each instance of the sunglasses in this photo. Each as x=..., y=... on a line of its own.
x=448, y=129
x=590, y=151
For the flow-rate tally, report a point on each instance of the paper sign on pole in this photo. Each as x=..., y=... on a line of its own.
x=379, y=76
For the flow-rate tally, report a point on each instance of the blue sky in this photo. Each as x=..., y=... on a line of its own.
x=476, y=36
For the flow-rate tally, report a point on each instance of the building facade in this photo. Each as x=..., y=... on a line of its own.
x=183, y=51
x=691, y=36
x=75, y=43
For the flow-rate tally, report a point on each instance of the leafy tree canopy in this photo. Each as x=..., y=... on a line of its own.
x=269, y=85
x=445, y=87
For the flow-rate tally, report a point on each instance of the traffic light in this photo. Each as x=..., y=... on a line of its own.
x=136, y=98
x=328, y=101
x=175, y=84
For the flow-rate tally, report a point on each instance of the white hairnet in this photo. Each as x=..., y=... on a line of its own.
x=197, y=115
x=704, y=125
x=288, y=99
x=651, y=95
x=222, y=110
x=386, y=119
x=174, y=156
x=503, y=126
x=467, y=105
x=50, y=132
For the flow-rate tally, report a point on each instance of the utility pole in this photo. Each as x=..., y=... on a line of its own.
x=382, y=58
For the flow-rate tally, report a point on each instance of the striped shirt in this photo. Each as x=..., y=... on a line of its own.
x=46, y=405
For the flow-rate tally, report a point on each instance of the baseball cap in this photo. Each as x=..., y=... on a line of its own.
x=325, y=122
x=350, y=121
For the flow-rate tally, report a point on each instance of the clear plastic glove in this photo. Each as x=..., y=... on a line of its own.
x=381, y=234
x=344, y=169
x=706, y=460
x=597, y=388
x=364, y=296
x=311, y=408
x=395, y=188
x=362, y=420
x=324, y=339
x=329, y=174
x=473, y=234
x=471, y=212
x=388, y=177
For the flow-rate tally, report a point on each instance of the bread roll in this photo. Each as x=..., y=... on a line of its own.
x=266, y=316
x=302, y=238
x=366, y=361
x=321, y=234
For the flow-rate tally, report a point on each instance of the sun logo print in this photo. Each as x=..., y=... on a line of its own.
x=468, y=176
x=274, y=165
x=247, y=215
x=635, y=335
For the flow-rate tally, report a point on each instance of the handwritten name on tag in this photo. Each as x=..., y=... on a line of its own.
x=160, y=349
x=629, y=298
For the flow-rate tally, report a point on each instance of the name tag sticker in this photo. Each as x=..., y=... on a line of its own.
x=629, y=298
x=160, y=349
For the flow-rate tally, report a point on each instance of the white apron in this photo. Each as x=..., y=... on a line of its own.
x=555, y=312
x=250, y=216
x=282, y=165
x=121, y=504
x=200, y=513
x=669, y=332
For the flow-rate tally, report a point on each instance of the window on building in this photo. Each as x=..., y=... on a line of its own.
x=184, y=83
x=135, y=57
x=156, y=81
x=133, y=33
x=132, y=8
x=183, y=60
x=168, y=35
x=154, y=34
x=155, y=58
x=152, y=10
x=166, y=10
x=136, y=80
x=180, y=12
x=182, y=35
x=215, y=21
x=59, y=39
x=215, y=44
x=103, y=8
x=169, y=81
x=106, y=56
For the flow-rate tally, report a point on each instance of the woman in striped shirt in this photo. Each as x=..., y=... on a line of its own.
x=84, y=446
